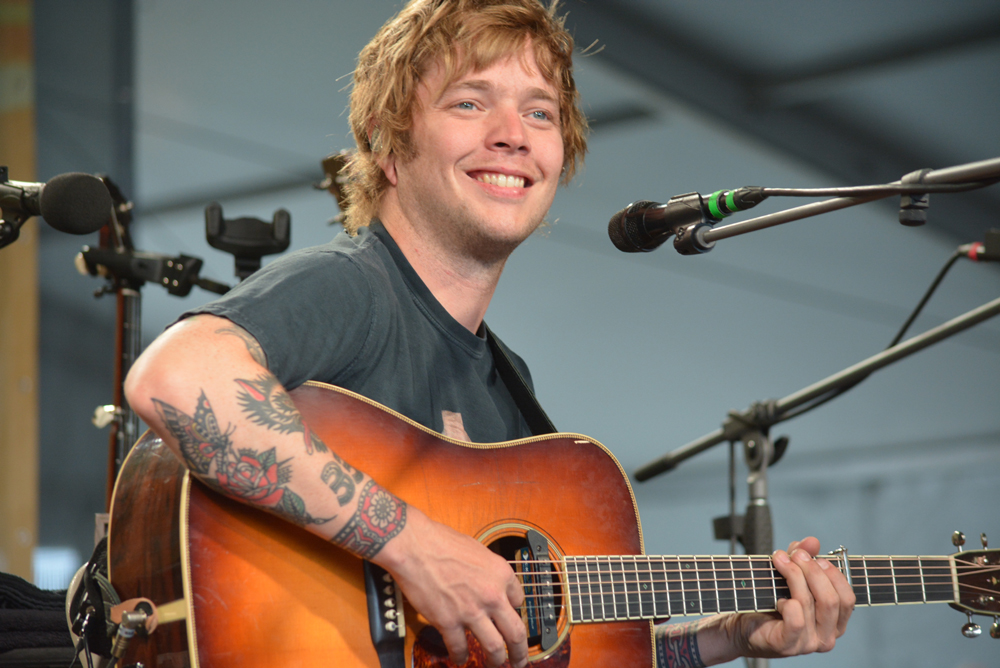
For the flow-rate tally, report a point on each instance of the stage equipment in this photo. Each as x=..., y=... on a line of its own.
x=644, y=226
x=76, y=203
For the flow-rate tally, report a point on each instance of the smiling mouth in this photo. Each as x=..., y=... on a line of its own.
x=503, y=180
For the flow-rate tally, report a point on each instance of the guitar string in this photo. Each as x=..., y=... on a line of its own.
x=587, y=589
x=629, y=588
x=870, y=581
x=763, y=565
x=873, y=581
x=764, y=568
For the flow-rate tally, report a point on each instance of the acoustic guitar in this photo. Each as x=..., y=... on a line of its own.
x=238, y=587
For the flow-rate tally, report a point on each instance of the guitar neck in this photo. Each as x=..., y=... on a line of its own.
x=610, y=588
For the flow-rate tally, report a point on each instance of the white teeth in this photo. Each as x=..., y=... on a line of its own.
x=502, y=180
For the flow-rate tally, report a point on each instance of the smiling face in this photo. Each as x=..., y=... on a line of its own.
x=488, y=156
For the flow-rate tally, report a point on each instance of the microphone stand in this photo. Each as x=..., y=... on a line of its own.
x=761, y=415
x=974, y=171
x=755, y=529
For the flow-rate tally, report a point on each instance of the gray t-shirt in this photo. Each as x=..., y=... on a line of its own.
x=354, y=313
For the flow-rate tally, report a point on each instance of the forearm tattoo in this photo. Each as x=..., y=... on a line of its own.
x=677, y=646
x=341, y=478
x=380, y=516
x=267, y=404
x=199, y=436
x=255, y=477
x=256, y=352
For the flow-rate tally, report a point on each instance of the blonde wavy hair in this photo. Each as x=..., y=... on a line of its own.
x=465, y=36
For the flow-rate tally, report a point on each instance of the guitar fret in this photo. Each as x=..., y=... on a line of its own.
x=710, y=599
x=908, y=580
x=727, y=588
x=689, y=582
x=573, y=586
x=629, y=584
x=619, y=588
x=923, y=585
x=882, y=582
x=675, y=590
x=606, y=573
x=868, y=586
x=774, y=585
x=892, y=571
x=939, y=580
x=680, y=582
x=745, y=598
x=647, y=604
x=661, y=592
x=588, y=562
x=697, y=579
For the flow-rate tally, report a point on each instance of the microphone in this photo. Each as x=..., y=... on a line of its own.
x=643, y=226
x=75, y=202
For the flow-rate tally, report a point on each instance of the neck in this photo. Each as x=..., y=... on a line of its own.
x=655, y=587
x=464, y=285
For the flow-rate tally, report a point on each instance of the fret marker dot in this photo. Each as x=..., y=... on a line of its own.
x=743, y=583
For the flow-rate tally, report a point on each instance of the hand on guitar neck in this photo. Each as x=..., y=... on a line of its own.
x=811, y=620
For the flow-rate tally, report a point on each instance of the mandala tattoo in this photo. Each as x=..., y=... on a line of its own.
x=267, y=404
x=254, y=477
x=339, y=475
x=256, y=352
x=379, y=518
x=199, y=435
x=677, y=646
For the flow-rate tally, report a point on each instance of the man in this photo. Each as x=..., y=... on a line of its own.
x=465, y=115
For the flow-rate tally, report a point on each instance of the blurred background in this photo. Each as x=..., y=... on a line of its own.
x=191, y=101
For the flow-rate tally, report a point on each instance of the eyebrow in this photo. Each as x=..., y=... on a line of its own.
x=485, y=86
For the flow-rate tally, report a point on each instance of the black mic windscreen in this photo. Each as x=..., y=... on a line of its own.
x=624, y=230
x=75, y=202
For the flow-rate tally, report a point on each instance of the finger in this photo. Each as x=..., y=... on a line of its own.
x=490, y=640
x=810, y=544
x=456, y=643
x=825, y=599
x=797, y=613
x=515, y=592
x=845, y=593
x=508, y=622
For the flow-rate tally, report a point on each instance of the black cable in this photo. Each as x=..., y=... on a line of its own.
x=930, y=291
x=836, y=392
x=886, y=188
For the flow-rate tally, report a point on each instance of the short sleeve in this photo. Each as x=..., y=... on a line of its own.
x=313, y=313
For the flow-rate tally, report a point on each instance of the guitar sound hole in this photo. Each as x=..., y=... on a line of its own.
x=509, y=547
x=506, y=540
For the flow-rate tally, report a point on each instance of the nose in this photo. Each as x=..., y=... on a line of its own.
x=508, y=132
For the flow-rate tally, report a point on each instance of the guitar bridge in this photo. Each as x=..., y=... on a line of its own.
x=385, y=616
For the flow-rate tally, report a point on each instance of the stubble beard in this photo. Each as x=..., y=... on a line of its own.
x=471, y=237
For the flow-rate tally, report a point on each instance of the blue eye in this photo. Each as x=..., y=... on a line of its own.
x=541, y=115
x=465, y=105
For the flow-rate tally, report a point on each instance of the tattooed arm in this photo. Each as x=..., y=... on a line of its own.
x=810, y=621
x=204, y=388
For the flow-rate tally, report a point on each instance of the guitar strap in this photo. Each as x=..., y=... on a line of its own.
x=534, y=415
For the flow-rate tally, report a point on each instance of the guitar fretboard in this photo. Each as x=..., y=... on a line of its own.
x=604, y=589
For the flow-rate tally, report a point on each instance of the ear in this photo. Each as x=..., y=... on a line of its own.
x=388, y=165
